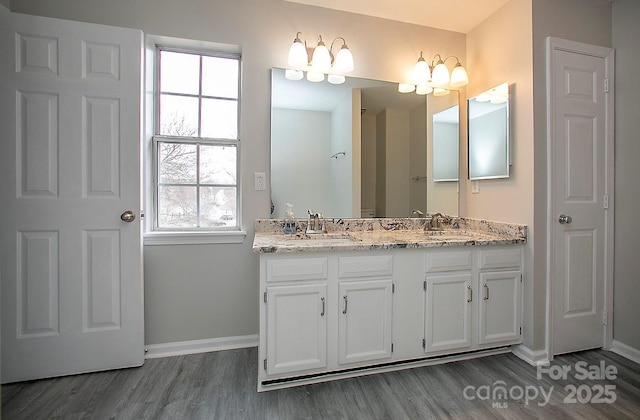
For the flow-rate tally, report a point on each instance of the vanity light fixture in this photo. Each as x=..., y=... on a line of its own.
x=434, y=77
x=322, y=61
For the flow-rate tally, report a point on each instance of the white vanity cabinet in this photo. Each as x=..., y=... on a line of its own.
x=341, y=313
x=472, y=298
x=500, y=284
x=365, y=288
x=323, y=313
x=294, y=299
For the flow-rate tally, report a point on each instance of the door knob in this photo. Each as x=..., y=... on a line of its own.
x=128, y=216
x=564, y=219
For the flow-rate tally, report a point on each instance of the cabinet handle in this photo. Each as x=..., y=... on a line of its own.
x=486, y=292
x=322, y=299
x=469, y=293
x=344, y=311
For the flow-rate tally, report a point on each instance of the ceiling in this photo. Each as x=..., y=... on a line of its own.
x=452, y=15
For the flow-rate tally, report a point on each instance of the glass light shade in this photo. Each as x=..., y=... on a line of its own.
x=459, y=76
x=421, y=71
x=335, y=79
x=440, y=92
x=440, y=74
x=344, y=61
x=498, y=99
x=294, y=74
x=321, y=60
x=298, y=58
x=406, y=87
x=315, y=76
x=423, y=89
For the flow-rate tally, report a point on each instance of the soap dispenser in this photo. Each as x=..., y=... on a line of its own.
x=289, y=220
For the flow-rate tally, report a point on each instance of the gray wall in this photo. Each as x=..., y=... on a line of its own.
x=626, y=33
x=208, y=291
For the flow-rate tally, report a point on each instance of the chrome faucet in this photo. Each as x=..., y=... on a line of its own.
x=435, y=221
x=316, y=223
x=417, y=212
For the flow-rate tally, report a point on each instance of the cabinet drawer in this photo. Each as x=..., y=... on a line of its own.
x=365, y=266
x=500, y=258
x=448, y=261
x=297, y=269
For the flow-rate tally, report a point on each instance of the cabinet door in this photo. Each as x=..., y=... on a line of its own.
x=296, y=328
x=448, y=312
x=364, y=329
x=499, y=307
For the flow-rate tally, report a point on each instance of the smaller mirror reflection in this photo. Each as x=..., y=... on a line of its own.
x=489, y=134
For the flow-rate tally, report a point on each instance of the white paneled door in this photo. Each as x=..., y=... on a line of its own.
x=70, y=158
x=579, y=195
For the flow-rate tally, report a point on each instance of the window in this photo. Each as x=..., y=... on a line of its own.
x=196, y=142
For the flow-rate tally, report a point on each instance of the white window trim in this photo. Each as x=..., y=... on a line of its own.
x=152, y=237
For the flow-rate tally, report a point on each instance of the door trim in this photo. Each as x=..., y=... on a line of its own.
x=608, y=54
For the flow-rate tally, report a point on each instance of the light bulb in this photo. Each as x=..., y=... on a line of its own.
x=298, y=58
x=459, y=76
x=406, y=87
x=344, y=61
x=293, y=74
x=321, y=60
x=336, y=79
x=421, y=71
x=440, y=74
x=423, y=89
x=315, y=76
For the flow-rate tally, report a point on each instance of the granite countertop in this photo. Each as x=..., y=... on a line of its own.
x=390, y=233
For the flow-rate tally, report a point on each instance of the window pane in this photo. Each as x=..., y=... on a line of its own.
x=179, y=73
x=217, y=207
x=217, y=164
x=178, y=116
x=177, y=207
x=220, y=77
x=177, y=163
x=219, y=119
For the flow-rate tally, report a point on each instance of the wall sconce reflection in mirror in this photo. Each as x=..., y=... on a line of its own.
x=489, y=148
x=319, y=61
x=434, y=77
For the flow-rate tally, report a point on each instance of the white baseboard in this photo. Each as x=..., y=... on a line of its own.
x=153, y=351
x=623, y=350
x=534, y=358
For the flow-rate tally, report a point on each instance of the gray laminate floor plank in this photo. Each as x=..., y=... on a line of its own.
x=222, y=385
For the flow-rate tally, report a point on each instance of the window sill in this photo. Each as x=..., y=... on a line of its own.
x=194, y=238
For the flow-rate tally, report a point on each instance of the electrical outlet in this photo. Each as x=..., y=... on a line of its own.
x=259, y=181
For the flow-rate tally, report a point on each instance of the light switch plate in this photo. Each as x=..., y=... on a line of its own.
x=475, y=187
x=259, y=181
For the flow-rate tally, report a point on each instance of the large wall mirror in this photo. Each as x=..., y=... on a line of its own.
x=361, y=149
x=489, y=134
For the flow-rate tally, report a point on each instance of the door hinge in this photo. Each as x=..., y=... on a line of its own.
x=391, y=347
x=605, y=316
x=264, y=363
x=520, y=278
x=264, y=297
x=520, y=333
x=606, y=202
x=606, y=85
x=424, y=285
x=424, y=343
x=393, y=287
